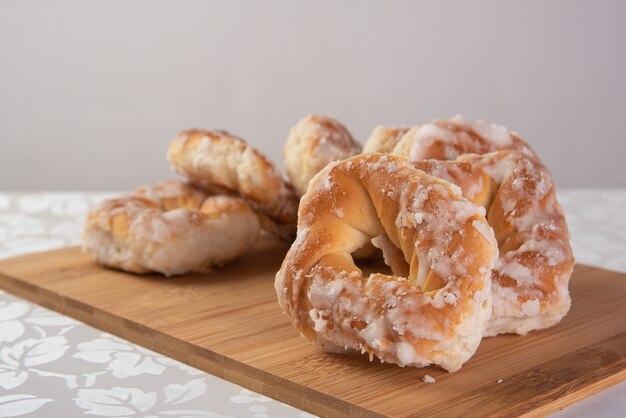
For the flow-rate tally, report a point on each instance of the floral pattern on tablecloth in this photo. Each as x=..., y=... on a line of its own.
x=53, y=366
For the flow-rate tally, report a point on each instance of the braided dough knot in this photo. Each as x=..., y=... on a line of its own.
x=530, y=279
x=170, y=228
x=220, y=162
x=446, y=139
x=312, y=143
x=436, y=311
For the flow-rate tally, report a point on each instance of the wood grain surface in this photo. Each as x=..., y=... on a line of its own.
x=227, y=322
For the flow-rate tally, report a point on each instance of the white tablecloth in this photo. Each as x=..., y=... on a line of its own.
x=52, y=365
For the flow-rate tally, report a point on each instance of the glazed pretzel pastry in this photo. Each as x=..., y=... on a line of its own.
x=530, y=279
x=384, y=139
x=437, y=312
x=312, y=143
x=170, y=228
x=446, y=139
x=222, y=163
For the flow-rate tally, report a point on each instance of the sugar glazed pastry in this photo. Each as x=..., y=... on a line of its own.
x=312, y=143
x=384, y=139
x=446, y=139
x=437, y=312
x=530, y=279
x=170, y=228
x=220, y=162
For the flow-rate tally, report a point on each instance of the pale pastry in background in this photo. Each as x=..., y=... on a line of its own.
x=384, y=139
x=170, y=228
x=220, y=162
x=312, y=143
x=436, y=311
x=446, y=139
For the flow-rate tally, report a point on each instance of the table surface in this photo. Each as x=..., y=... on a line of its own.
x=52, y=365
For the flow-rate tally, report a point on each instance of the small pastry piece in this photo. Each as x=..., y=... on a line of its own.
x=312, y=143
x=436, y=312
x=446, y=139
x=170, y=228
x=220, y=162
x=384, y=139
x=173, y=194
x=530, y=279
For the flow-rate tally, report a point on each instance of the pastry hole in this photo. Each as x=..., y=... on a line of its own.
x=373, y=264
x=366, y=251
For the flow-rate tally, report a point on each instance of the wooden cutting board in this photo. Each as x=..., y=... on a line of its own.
x=228, y=323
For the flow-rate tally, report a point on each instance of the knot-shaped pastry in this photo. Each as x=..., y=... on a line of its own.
x=220, y=162
x=530, y=279
x=384, y=139
x=435, y=313
x=312, y=143
x=170, y=228
x=446, y=139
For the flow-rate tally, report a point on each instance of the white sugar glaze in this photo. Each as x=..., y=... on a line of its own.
x=387, y=199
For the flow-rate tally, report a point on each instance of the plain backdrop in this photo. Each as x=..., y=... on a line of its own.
x=91, y=92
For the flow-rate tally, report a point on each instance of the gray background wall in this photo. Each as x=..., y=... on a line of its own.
x=92, y=92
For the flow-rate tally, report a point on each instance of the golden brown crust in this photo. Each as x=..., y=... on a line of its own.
x=446, y=139
x=530, y=280
x=434, y=315
x=220, y=162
